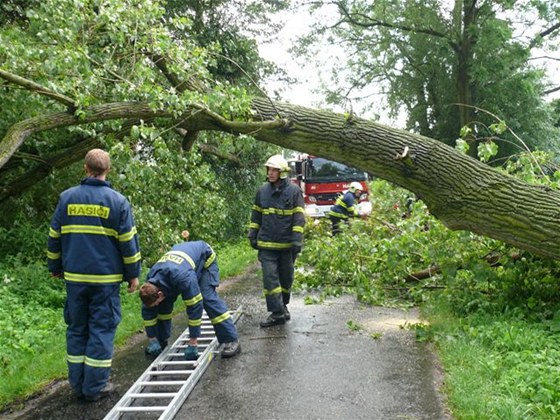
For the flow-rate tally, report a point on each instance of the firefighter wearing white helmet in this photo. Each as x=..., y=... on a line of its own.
x=278, y=162
x=276, y=231
x=345, y=206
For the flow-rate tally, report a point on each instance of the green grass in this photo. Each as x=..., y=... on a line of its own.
x=32, y=342
x=498, y=366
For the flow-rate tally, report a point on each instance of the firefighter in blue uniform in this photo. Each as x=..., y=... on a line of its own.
x=345, y=206
x=276, y=230
x=189, y=269
x=93, y=245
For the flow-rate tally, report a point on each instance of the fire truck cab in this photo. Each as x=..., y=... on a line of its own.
x=323, y=180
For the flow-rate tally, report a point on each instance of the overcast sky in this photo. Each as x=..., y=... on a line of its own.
x=312, y=72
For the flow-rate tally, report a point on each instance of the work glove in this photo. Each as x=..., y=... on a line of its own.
x=296, y=249
x=153, y=349
x=253, y=243
x=191, y=352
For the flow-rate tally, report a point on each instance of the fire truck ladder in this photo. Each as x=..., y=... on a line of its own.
x=165, y=385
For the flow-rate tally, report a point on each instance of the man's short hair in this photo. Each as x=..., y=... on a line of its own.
x=149, y=293
x=98, y=162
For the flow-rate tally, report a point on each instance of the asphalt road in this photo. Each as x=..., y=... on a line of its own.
x=313, y=367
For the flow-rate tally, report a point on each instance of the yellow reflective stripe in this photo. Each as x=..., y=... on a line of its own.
x=133, y=259
x=53, y=255
x=194, y=300
x=299, y=210
x=341, y=203
x=195, y=322
x=254, y=225
x=274, y=291
x=75, y=359
x=257, y=208
x=95, y=230
x=124, y=237
x=150, y=322
x=285, y=290
x=98, y=363
x=281, y=212
x=338, y=215
x=275, y=245
x=53, y=233
x=297, y=229
x=184, y=256
x=210, y=260
x=220, y=318
x=93, y=278
x=165, y=317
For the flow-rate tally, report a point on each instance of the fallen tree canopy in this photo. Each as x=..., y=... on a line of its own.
x=460, y=191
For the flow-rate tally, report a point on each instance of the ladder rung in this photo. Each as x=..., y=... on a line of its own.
x=161, y=383
x=154, y=395
x=170, y=372
x=170, y=369
x=152, y=408
x=177, y=362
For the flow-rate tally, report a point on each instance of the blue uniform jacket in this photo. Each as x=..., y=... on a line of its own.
x=277, y=218
x=177, y=273
x=92, y=238
x=344, y=206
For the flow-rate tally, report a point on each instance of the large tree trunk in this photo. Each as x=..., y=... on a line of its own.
x=460, y=191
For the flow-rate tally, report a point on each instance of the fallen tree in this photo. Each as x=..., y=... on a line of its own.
x=460, y=191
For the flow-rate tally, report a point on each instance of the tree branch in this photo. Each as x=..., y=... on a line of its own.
x=544, y=34
x=37, y=88
x=20, y=131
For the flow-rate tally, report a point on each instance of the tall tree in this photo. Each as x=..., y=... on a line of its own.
x=444, y=61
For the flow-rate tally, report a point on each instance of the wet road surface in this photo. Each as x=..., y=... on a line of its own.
x=313, y=367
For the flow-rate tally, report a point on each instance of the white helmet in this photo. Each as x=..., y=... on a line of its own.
x=355, y=186
x=278, y=162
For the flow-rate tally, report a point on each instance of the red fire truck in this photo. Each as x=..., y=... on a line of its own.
x=322, y=180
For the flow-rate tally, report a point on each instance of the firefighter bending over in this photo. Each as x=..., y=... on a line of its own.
x=345, y=206
x=189, y=269
x=276, y=231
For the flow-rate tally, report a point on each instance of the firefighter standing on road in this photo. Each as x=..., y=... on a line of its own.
x=345, y=206
x=189, y=269
x=276, y=231
x=93, y=245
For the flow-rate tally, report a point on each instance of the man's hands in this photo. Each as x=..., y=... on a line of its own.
x=154, y=348
x=133, y=285
x=296, y=249
x=253, y=243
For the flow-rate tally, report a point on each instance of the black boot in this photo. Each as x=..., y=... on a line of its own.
x=230, y=349
x=273, y=319
x=287, y=315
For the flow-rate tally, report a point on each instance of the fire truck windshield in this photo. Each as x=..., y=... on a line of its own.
x=323, y=170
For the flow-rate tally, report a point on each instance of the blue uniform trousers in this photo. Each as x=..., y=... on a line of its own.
x=278, y=277
x=92, y=313
x=215, y=308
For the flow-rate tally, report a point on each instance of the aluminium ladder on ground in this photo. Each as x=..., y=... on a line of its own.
x=165, y=385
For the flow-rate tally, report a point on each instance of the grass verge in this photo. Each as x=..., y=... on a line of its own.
x=497, y=366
